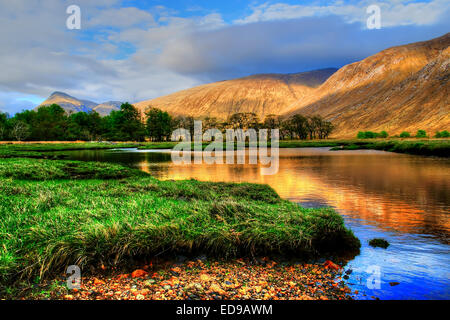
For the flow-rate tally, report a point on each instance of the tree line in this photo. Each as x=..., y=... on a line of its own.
x=52, y=123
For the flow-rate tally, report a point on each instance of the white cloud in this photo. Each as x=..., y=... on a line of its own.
x=138, y=55
x=121, y=18
x=393, y=13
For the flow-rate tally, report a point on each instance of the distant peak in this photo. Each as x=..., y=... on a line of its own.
x=59, y=93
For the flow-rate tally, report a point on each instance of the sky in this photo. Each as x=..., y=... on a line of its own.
x=132, y=50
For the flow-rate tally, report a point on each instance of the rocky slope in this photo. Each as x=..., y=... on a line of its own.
x=403, y=88
x=262, y=94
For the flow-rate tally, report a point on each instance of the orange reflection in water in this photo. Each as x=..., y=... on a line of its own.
x=395, y=192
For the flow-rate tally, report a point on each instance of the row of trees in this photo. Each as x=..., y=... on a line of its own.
x=53, y=123
x=160, y=125
x=404, y=134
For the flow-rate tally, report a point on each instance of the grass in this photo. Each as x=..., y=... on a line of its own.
x=427, y=147
x=56, y=213
x=282, y=144
x=40, y=150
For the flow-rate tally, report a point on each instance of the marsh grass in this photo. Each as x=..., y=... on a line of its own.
x=440, y=148
x=57, y=213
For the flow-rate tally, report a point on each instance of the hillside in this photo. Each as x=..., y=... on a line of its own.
x=398, y=89
x=262, y=94
x=68, y=103
x=105, y=108
x=72, y=105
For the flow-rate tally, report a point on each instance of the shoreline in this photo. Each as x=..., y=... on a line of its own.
x=421, y=147
x=201, y=278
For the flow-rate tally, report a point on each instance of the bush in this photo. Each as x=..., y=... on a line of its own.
x=405, y=134
x=361, y=135
x=383, y=134
x=443, y=134
x=381, y=243
x=421, y=134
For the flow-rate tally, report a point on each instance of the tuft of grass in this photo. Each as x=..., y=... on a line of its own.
x=380, y=243
x=58, y=217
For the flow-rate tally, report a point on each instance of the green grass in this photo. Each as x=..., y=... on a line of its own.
x=41, y=150
x=69, y=212
x=282, y=144
x=426, y=147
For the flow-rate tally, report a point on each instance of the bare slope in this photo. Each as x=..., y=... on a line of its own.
x=262, y=94
x=401, y=88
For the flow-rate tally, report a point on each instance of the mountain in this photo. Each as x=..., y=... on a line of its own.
x=68, y=103
x=403, y=88
x=105, y=108
x=262, y=94
x=72, y=105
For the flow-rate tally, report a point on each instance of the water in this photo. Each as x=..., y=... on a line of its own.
x=401, y=198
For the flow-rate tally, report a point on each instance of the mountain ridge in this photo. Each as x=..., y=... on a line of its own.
x=262, y=94
x=71, y=104
x=403, y=88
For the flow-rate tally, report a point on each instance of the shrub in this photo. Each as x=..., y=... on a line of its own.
x=405, y=134
x=381, y=243
x=443, y=134
x=421, y=134
x=383, y=134
x=361, y=135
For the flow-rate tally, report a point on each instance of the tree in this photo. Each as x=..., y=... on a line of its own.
x=244, y=121
x=187, y=123
x=300, y=126
x=361, y=135
x=383, y=134
x=272, y=122
x=421, y=134
x=287, y=129
x=125, y=124
x=84, y=126
x=159, y=124
x=405, y=134
x=325, y=129
x=3, y=125
x=20, y=130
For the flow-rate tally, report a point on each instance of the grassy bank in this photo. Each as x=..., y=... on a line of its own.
x=428, y=147
x=282, y=144
x=440, y=148
x=39, y=150
x=56, y=213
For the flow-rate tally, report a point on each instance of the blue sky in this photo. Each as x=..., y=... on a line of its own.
x=131, y=50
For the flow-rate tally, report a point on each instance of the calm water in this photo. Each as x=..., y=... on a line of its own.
x=404, y=199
